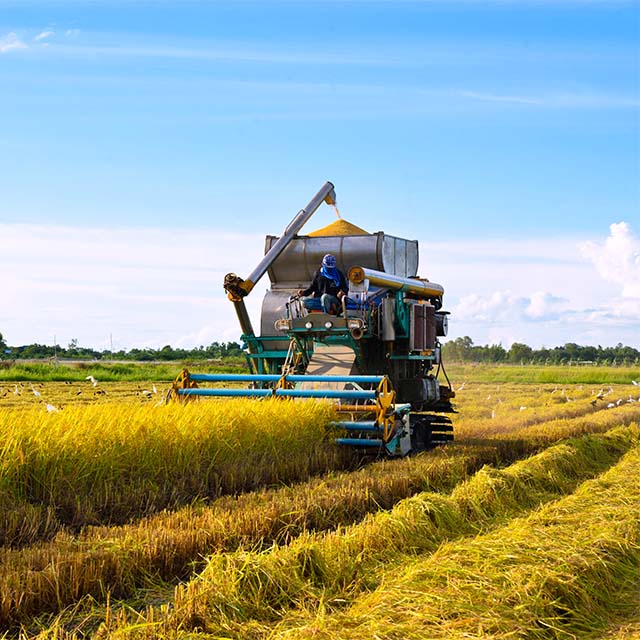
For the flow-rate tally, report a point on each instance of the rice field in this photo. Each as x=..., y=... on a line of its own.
x=121, y=517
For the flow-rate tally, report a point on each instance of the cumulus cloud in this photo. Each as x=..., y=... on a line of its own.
x=501, y=298
x=617, y=260
x=544, y=306
x=540, y=306
x=484, y=308
x=11, y=42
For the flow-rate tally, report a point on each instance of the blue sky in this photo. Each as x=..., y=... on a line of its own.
x=505, y=134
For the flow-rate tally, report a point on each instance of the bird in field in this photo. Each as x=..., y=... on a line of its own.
x=493, y=414
x=51, y=408
x=635, y=383
x=146, y=393
x=522, y=408
x=610, y=405
x=154, y=389
x=94, y=382
x=16, y=391
x=36, y=393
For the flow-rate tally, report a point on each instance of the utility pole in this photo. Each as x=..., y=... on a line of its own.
x=111, y=342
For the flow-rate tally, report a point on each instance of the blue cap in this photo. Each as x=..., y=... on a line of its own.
x=329, y=261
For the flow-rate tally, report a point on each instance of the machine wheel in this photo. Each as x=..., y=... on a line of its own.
x=429, y=431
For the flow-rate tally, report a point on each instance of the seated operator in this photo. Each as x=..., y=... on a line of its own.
x=329, y=284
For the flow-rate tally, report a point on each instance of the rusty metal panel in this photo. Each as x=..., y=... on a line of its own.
x=422, y=327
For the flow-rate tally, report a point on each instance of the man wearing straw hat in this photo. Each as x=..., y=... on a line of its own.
x=328, y=287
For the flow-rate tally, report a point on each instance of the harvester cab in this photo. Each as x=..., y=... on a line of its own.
x=378, y=358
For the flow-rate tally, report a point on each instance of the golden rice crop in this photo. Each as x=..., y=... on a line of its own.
x=330, y=569
x=112, y=462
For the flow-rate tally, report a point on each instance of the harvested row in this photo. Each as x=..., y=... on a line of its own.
x=491, y=409
x=534, y=578
x=51, y=576
x=62, y=395
x=112, y=463
x=244, y=590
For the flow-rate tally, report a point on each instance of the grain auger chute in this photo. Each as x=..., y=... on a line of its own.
x=374, y=357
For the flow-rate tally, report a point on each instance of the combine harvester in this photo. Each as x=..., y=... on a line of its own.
x=375, y=359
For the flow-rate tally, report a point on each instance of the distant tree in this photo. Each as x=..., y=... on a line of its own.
x=3, y=345
x=520, y=352
x=458, y=349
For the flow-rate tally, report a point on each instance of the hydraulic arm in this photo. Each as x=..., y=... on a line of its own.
x=237, y=288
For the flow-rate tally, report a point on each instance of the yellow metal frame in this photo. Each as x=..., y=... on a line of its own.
x=183, y=381
x=385, y=408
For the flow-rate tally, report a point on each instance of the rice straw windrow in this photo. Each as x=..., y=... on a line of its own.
x=333, y=568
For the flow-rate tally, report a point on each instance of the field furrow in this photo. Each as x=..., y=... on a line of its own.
x=561, y=572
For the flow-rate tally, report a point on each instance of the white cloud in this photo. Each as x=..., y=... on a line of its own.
x=565, y=100
x=11, y=42
x=499, y=305
x=618, y=259
x=146, y=286
x=544, y=306
x=154, y=286
x=44, y=35
x=541, y=290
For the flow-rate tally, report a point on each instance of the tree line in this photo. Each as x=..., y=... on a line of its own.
x=216, y=350
x=458, y=350
x=463, y=350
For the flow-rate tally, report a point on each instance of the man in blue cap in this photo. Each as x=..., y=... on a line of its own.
x=329, y=285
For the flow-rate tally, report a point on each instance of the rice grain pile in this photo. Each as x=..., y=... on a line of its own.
x=340, y=228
